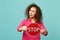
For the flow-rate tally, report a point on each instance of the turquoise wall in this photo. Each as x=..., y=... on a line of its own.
x=12, y=13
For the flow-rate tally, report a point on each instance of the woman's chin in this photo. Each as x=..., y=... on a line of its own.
x=31, y=17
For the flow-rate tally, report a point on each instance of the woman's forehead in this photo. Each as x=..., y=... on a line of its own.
x=33, y=8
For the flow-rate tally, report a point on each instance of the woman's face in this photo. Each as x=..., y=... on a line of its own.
x=32, y=12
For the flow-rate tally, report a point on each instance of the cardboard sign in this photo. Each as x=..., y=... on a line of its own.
x=33, y=29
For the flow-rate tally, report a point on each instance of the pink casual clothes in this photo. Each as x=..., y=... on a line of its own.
x=26, y=35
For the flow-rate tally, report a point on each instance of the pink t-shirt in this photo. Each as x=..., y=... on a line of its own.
x=26, y=35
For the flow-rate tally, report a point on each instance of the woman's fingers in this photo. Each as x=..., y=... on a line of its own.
x=44, y=32
x=24, y=28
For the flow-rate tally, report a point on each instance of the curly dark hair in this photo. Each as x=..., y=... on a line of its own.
x=38, y=15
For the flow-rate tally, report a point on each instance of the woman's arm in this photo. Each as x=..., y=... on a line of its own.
x=22, y=26
x=22, y=29
x=44, y=32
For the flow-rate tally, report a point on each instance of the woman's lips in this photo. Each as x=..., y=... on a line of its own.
x=30, y=15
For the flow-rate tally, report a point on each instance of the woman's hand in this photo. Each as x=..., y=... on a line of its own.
x=24, y=28
x=44, y=32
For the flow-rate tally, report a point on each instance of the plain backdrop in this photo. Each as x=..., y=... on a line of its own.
x=12, y=12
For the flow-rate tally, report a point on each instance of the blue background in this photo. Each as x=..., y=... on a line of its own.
x=12, y=12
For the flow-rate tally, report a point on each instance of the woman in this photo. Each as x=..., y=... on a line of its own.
x=34, y=15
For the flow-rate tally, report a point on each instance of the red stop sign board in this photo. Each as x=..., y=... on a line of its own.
x=33, y=29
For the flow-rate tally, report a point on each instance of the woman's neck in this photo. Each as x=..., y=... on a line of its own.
x=33, y=20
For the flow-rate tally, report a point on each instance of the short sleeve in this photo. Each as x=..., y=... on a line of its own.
x=21, y=24
x=42, y=26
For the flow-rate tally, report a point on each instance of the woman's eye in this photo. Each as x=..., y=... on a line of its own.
x=32, y=11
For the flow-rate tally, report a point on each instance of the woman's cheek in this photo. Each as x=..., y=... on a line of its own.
x=34, y=14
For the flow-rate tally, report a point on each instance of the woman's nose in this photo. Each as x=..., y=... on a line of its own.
x=30, y=12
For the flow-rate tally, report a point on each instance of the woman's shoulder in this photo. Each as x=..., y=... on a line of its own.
x=41, y=23
x=25, y=19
